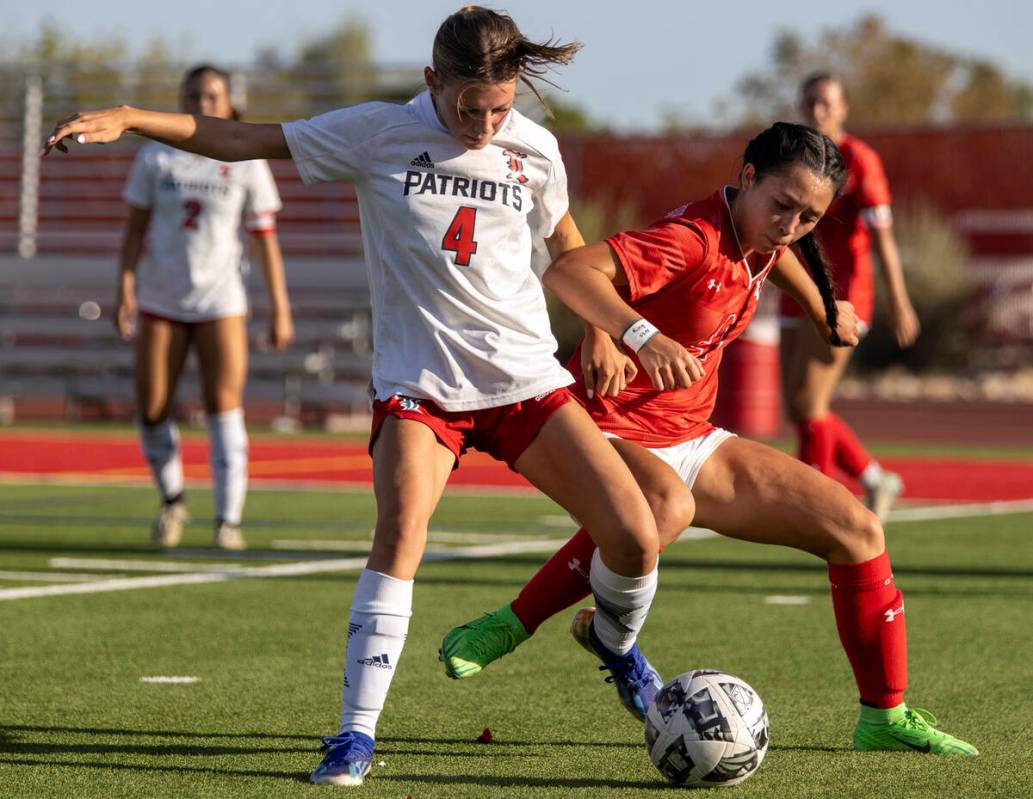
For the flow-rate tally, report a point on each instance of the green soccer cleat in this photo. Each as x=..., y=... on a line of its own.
x=467, y=649
x=900, y=729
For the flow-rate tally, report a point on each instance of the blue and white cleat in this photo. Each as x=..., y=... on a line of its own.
x=347, y=760
x=634, y=677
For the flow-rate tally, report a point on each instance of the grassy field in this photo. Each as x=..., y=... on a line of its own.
x=267, y=652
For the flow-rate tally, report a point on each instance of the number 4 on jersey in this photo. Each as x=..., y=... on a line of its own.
x=459, y=236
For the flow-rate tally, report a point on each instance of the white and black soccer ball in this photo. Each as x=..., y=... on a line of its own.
x=707, y=728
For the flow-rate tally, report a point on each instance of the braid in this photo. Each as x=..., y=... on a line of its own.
x=778, y=148
x=814, y=257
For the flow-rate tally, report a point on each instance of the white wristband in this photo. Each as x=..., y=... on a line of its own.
x=638, y=333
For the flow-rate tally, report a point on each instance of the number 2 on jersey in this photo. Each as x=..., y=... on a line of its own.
x=459, y=236
x=193, y=209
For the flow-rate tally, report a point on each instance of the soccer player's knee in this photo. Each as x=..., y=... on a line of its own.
x=673, y=509
x=868, y=532
x=401, y=532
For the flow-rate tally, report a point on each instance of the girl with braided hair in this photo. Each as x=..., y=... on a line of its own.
x=687, y=286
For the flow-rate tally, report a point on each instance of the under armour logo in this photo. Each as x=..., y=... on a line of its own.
x=714, y=286
x=892, y=614
x=575, y=566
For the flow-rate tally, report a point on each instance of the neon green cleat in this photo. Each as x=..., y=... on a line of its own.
x=467, y=649
x=901, y=729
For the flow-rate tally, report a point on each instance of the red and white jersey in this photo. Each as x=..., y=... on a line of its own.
x=687, y=276
x=459, y=316
x=191, y=271
x=843, y=231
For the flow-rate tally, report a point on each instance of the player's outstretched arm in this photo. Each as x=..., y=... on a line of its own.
x=221, y=139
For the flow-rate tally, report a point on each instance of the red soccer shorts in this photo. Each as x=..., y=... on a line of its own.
x=503, y=432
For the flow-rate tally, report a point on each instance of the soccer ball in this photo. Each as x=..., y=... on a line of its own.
x=707, y=728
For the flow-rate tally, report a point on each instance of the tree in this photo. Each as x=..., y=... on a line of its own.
x=889, y=78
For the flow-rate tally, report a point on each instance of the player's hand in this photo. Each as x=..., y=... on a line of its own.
x=848, y=326
x=606, y=369
x=281, y=331
x=89, y=127
x=668, y=364
x=125, y=316
x=905, y=324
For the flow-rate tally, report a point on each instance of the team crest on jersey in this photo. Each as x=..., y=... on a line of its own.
x=515, y=163
x=408, y=403
x=225, y=171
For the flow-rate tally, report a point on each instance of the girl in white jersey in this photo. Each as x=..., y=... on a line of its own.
x=187, y=290
x=452, y=188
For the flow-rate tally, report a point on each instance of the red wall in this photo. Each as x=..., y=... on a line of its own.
x=954, y=169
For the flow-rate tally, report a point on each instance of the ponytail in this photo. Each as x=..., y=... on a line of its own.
x=478, y=45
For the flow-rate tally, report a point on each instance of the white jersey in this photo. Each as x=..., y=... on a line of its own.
x=191, y=271
x=459, y=316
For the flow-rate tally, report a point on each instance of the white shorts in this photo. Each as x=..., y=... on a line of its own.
x=688, y=457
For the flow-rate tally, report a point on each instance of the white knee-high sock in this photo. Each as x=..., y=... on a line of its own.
x=377, y=626
x=160, y=445
x=227, y=445
x=622, y=604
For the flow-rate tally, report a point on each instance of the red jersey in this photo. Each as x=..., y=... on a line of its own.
x=843, y=231
x=687, y=276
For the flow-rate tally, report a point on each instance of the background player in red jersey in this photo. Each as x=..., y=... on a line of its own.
x=186, y=291
x=697, y=274
x=859, y=220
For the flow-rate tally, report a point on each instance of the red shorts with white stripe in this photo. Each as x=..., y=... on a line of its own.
x=503, y=432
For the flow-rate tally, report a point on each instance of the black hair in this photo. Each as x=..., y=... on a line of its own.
x=478, y=45
x=782, y=146
x=195, y=72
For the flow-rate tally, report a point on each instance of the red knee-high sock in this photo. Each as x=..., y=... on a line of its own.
x=557, y=585
x=817, y=443
x=870, y=619
x=850, y=454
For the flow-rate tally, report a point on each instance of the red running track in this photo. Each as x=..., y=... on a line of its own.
x=116, y=457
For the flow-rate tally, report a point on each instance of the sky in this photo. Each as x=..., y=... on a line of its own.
x=664, y=55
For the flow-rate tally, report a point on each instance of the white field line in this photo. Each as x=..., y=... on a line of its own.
x=49, y=577
x=438, y=537
x=167, y=566
x=170, y=680
x=279, y=570
x=786, y=599
x=962, y=511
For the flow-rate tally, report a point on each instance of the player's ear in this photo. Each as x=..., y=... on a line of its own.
x=432, y=80
x=747, y=177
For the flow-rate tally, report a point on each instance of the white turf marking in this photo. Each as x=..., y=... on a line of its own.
x=173, y=566
x=49, y=577
x=171, y=680
x=557, y=521
x=440, y=537
x=960, y=511
x=697, y=534
x=279, y=570
x=786, y=599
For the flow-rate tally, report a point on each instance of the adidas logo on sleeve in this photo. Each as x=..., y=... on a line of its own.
x=423, y=161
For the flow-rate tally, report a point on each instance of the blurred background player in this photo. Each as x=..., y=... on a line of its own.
x=187, y=291
x=453, y=187
x=698, y=274
x=811, y=369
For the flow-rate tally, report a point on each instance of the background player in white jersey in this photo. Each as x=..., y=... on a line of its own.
x=452, y=188
x=186, y=290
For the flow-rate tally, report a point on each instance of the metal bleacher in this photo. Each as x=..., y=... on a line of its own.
x=59, y=354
